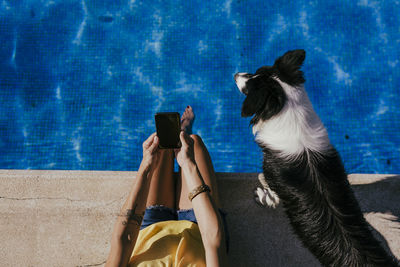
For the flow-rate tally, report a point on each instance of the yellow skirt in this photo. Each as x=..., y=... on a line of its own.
x=169, y=243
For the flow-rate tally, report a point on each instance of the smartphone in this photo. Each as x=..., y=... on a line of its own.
x=168, y=125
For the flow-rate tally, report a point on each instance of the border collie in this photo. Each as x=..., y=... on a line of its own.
x=302, y=170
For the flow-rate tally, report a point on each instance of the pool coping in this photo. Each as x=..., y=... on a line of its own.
x=65, y=218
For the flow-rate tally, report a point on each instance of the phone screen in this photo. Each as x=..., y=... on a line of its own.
x=168, y=126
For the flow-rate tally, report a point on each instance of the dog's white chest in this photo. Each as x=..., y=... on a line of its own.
x=295, y=129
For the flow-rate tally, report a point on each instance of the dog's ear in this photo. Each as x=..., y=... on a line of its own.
x=265, y=99
x=289, y=65
x=275, y=100
x=256, y=97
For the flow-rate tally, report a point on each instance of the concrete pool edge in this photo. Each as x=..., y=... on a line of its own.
x=65, y=218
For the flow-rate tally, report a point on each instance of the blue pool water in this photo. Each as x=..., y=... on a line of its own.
x=80, y=81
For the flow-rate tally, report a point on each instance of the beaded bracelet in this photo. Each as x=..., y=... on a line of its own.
x=200, y=189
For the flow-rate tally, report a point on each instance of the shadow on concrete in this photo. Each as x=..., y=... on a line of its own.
x=263, y=237
x=382, y=196
x=258, y=236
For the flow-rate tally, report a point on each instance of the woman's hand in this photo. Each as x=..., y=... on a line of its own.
x=185, y=154
x=150, y=152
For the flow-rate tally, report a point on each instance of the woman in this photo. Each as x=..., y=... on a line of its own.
x=179, y=221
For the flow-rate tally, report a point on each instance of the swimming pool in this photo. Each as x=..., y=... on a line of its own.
x=80, y=81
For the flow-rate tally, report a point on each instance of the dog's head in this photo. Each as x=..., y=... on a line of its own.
x=264, y=95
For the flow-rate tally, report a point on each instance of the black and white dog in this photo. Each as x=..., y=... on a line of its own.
x=302, y=170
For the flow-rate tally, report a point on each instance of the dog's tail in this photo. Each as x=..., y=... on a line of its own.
x=325, y=213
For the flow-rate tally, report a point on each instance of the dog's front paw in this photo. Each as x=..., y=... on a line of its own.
x=266, y=197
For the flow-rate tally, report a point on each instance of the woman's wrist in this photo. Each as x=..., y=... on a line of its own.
x=198, y=190
x=188, y=166
x=144, y=169
x=192, y=176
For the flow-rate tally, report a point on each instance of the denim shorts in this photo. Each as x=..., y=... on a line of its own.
x=159, y=213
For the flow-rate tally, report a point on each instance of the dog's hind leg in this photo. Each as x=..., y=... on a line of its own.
x=265, y=196
x=262, y=180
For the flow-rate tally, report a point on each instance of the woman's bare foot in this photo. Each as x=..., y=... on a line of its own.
x=187, y=120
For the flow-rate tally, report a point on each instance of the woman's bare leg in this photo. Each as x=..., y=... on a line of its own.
x=204, y=165
x=162, y=186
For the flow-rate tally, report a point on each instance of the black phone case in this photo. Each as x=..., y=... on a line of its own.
x=168, y=125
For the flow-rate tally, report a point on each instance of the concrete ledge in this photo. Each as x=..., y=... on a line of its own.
x=65, y=218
